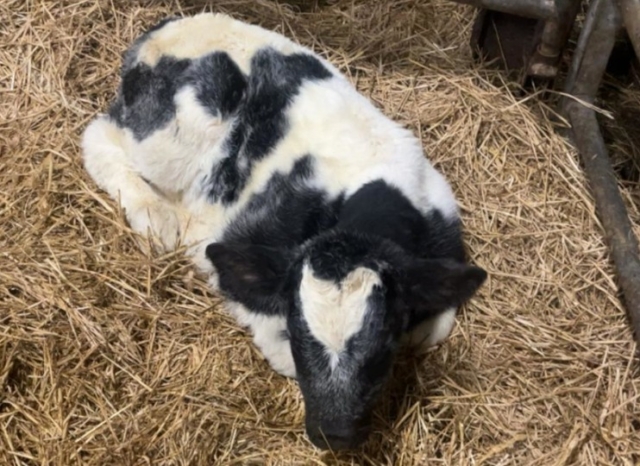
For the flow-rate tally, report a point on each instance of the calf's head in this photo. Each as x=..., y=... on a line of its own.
x=348, y=298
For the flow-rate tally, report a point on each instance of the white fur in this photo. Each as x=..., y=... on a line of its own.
x=213, y=32
x=167, y=156
x=267, y=334
x=432, y=331
x=352, y=142
x=363, y=144
x=333, y=312
x=112, y=168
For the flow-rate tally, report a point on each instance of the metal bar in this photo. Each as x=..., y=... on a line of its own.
x=545, y=59
x=588, y=67
x=540, y=9
x=630, y=10
x=594, y=25
x=623, y=244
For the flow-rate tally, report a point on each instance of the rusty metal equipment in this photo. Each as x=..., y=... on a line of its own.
x=531, y=35
x=521, y=37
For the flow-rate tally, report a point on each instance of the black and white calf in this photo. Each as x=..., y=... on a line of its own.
x=332, y=236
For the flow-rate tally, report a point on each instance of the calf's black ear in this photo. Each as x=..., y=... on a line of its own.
x=247, y=269
x=433, y=285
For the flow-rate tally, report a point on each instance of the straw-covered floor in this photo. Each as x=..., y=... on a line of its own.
x=109, y=356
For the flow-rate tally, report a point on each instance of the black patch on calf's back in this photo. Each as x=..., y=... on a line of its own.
x=145, y=103
x=146, y=100
x=380, y=209
x=286, y=213
x=274, y=81
x=219, y=83
x=383, y=210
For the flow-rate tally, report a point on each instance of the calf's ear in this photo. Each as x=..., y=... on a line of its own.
x=249, y=269
x=433, y=285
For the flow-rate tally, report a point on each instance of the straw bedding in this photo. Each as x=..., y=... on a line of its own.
x=113, y=356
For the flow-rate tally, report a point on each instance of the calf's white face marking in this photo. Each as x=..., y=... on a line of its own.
x=335, y=312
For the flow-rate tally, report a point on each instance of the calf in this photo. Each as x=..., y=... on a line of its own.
x=332, y=236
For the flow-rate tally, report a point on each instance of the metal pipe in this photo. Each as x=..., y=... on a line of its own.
x=545, y=59
x=581, y=46
x=590, y=61
x=594, y=48
x=622, y=242
x=630, y=10
x=539, y=9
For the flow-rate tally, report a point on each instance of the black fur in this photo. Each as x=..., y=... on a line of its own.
x=284, y=215
x=145, y=102
x=287, y=212
x=419, y=259
x=257, y=103
x=219, y=83
x=395, y=218
x=344, y=417
x=261, y=123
